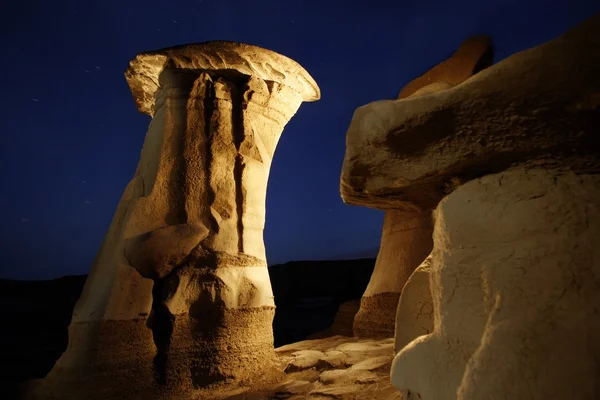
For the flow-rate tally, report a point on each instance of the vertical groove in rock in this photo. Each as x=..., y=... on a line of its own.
x=209, y=107
x=180, y=297
x=237, y=123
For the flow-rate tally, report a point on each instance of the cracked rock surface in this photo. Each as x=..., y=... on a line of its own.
x=337, y=367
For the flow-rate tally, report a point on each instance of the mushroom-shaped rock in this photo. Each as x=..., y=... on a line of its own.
x=219, y=57
x=179, y=297
x=539, y=104
x=513, y=155
x=473, y=55
x=406, y=238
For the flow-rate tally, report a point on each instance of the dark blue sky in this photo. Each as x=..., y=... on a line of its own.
x=71, y=135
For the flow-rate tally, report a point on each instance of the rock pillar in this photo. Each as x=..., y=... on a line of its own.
x=405, y=242
x=509, y=159
x=179, y=297
x=407, y=231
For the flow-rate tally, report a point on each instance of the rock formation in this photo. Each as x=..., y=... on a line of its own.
x=473, y=55
x=414, y=316
x=509, y=159
x=406, y=237
x=405, y=242
x=179, y=296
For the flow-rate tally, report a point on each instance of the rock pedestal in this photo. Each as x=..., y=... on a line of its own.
x=510, y=160
x=179, y=297
x=405, y=242
x=406, y=238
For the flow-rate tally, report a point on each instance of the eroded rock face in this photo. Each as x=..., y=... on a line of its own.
x=406, y=238
x=179, y=296
x=515, y=284
x=414, y=316
x=473, y=55
x=405, y=242
x=538, y=104
x=515, y=271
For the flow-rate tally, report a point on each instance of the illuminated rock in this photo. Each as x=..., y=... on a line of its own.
x=406, y=237
x=179, y=296
x=414, y=316
x=405, y=242
x=473, y=55
x=514, y=281
x=510, y=159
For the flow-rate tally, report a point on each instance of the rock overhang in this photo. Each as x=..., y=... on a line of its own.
x=144, y=70
x=408, y=154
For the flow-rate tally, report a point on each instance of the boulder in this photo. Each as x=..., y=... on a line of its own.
x=515, y=286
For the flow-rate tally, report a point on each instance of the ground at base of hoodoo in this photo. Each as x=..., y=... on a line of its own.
x=337, y=367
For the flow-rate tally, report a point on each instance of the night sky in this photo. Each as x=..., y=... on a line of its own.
x=72, y=135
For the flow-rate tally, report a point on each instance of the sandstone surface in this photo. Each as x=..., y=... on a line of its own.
x=509, y=159
x=406, y=236
x=539, y=104
x=414, y=316
x=515, y=281
x=473, y=55
x=405, y=242
x=514, y=269
x=179, y=296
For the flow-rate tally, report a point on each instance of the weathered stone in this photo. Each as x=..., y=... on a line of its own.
x=333, y=359
x=179, y=296
x=406, y=238
x=295, y=387
x=337, y=378
x=540, y=104
x=473, y=55
x=317, y=344
x=515, y=284
x=414, y=317
x=337, y=392
x=405, y=242
x=359, y=351
x=372, y=363
x=304, y=359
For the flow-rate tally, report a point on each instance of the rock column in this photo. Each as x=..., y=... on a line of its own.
x=179, y=297
x=405, y=242
x=509, y=159
x=407, y=230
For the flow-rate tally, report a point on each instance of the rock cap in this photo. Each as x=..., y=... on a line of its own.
x=144, y=70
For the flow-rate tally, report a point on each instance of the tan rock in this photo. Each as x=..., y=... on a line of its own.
x=179, y=296
x=414, y=316
x=473, y=55
x=323, y=345
x=295, y=387
x=333, y=359
x=304, y=359
x=408, y=154
x=515, y=265
x=515, y=272
x=406, y=238
x=405, y=242
x=372, y=363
